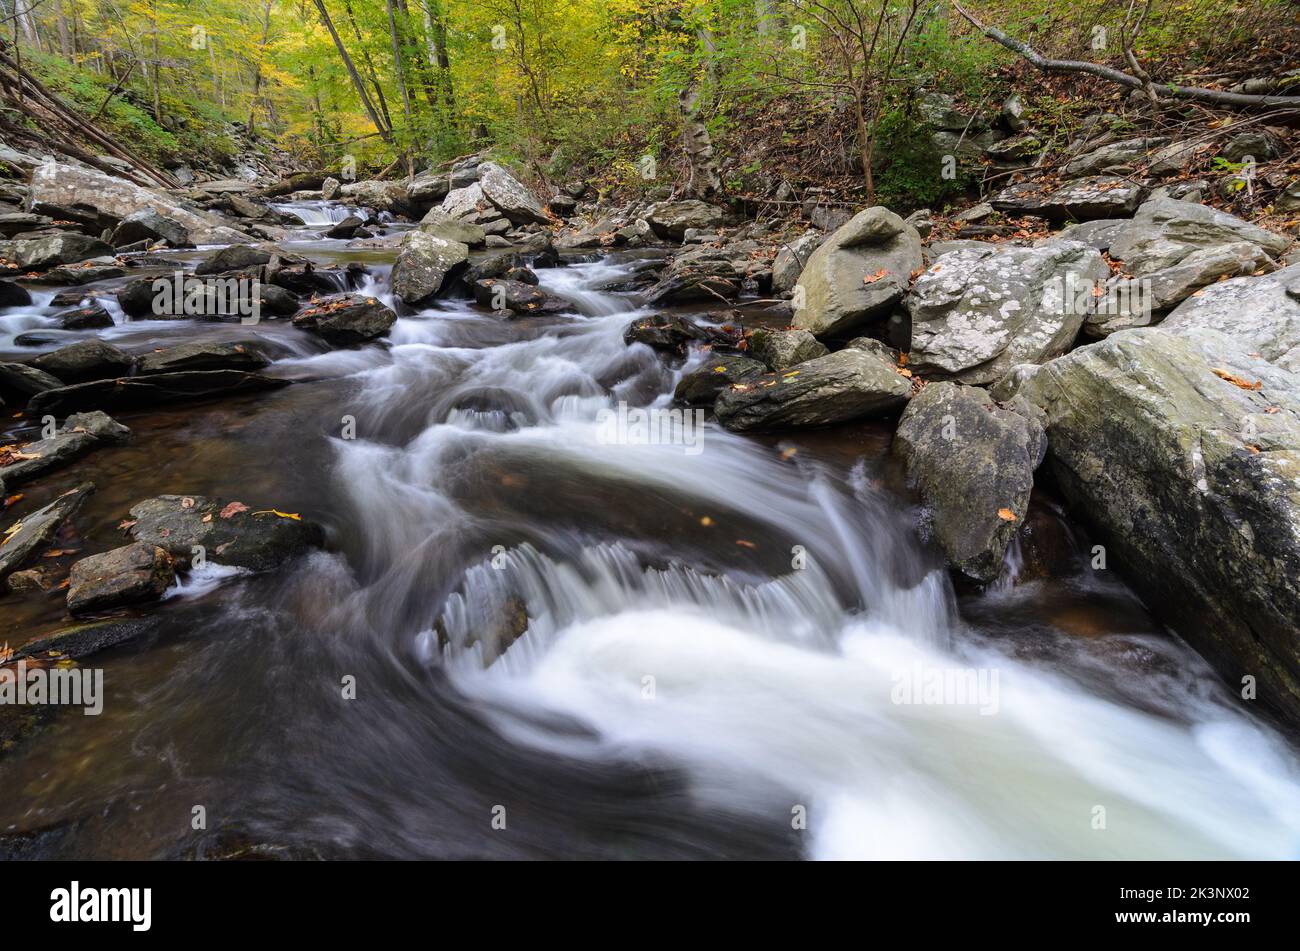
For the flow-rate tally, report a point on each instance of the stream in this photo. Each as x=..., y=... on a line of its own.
x=726, y=650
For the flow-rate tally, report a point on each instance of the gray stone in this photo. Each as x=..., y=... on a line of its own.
x=782, y=349
x=1262, y=314
x=25, y=539
x=230, y=533
x=792, y=257
x=442, y=225
x=702, y=386
x=971, y=461
x=1080, y=200
x=131, y=574
x=346, y=319
x=670, y=220
x=1164, y=231
x=509, y=195
x=1116, y=155
x=203, y=355
x=154, y=391
x=147, y=225
x=423, y=263
x=85, y=360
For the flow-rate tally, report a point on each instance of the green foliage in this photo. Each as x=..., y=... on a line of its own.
x=909, y=168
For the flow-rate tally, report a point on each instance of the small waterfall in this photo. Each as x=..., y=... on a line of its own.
x=319, y=214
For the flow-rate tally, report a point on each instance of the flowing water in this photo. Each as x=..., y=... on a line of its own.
x=712, y=648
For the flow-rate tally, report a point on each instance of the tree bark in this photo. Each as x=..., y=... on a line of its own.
x=384, y=130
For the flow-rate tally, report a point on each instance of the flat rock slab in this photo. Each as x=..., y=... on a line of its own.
x=155, y=390
x=1082, y=200
x=202, y=356
x=81, y=640
x=230, y=533
x=132, y=574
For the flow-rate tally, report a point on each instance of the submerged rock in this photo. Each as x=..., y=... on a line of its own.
x=26, y=538
x=972, y=462
x=153, y=391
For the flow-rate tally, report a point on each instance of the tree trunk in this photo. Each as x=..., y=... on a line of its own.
x=357, y=81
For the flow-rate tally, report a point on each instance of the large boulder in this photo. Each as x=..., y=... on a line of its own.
x=1103, y=196
x=858, y=275
x=509, y=195
x=236, y=257
x=704, y=273
x=971, y=461
x=428, y=188
x=38, y=254
x=1164, y=231
x=423, y=263
x=57, y=184
x=229, y=533
x=671, y=220
x=1183, y=451
x=1261, y=313
x=851, y=384
x=978, y=312
x=347, y=319
x=464, y=202
x=391, y=197
x=128, y=575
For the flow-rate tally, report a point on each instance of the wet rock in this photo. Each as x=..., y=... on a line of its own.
x=85, y=360
x=29, y=579
x=1262, y=314
x=442, y=225
x=24, y=381
x=89, y=637
x=98, y=424
x=1081, y=200
x=230, y=533
x=381, y=196
x=347, y=228
x=79, y=435
x=14, y=295
x=977, y=313
x=851, y=384
x=971, y=461
x=84, y=318
x=671, y=220
x=428, y=188
x=235, y=257
x=858, y=275
x=792, y=257
x=423, y=264
x=147, y=225
x=136, y=298
x=60, y=184
x=701, y=387
x=509, y=195
x=300, y=276
x=782, y=349
x=128, y=575
x=672, y=333
x=519, y=297
x=26, y=538
x=155, y=390
x=700, y=274
x=1181, y=449
x=203, y=356
x=347, y=319
x=74, y=275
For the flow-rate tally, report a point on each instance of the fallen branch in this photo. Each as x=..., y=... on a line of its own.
x=1165, y=90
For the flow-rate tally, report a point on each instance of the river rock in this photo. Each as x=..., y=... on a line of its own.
x=155, y=390
x=230, y=533
x=858, y=275
x=83, y=639
x=381, y=196
x=131, y=574
x=1103, y=196
x=25, y=539
x=1262, y=314
x=442, y=225
x=1183, y=451
x=347, y=319
x=464, y=202
x=347, y=228
x=428, y=188
x=792, y=257
x=423, y=263
x=85, y=360
x=971, y=461
x=75, y=275
x=671, y=220
x=672, y=333
x=782, y=349
x=851, y=384
x=236, y=257
x=91, y=317
x=79, y=435
x=509, y=195
x=1164, y=231
x=24, y=381
x=516, y=296
x=39, y=254
x=203, y=356
x=147, y=225
x=702, y=386
x=14, y=295
x=60, y=184
x=978, y=312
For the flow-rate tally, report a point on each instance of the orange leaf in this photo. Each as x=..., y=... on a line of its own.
x=1006, y=515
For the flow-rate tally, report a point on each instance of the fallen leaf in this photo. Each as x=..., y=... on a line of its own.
x=1006, y=515
x=706, y=521
x=232, y=509
x=1236, y=380
x=293, y=515
x=872, y=278
x=743, y=543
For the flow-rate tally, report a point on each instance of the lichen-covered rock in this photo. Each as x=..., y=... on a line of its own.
x=1104, y=196
x=971, y=461
x=509, y=195
x=858, y=275
x=851, y=384
x=671, y=220
x=978, y=312
x=782, y=349
x=423, y=263
x=1261, y=313
x=442, y=225
x=1164, y=231
x=1182, y=448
